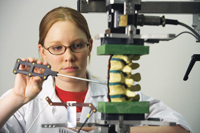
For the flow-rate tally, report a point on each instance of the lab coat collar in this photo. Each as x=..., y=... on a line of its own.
x=48, y=89
x=94, y=92
x=95, y=89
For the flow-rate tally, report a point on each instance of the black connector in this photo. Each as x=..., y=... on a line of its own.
x=171, y=21
x=155, y=20
x=150, y=20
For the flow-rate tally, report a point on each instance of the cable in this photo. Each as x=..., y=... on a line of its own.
x=183, y=33
x=41, y=110
x=88, y=116
x=36, y=118
x=188, y=27
x=188, y=33
x=154, y=20
x=176, y=22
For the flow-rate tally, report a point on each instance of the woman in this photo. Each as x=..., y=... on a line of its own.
x=65, y=43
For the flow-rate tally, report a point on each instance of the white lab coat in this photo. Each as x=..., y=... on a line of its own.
x=25, y=116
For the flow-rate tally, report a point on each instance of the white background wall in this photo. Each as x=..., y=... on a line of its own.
x=162, y=70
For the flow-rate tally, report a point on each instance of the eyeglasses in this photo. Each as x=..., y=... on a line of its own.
x=60, y=49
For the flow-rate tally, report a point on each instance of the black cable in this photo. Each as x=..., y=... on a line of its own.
x=176, y=22
x=154, y=20
x=183, y=33
x=171, y=21
x=193, y=31
x=89, y=115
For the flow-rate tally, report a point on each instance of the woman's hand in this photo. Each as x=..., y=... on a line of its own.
x=26, y=87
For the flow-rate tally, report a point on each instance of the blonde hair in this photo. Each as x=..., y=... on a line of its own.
x=62, y=14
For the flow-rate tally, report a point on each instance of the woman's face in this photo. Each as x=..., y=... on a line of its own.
x=69, y=63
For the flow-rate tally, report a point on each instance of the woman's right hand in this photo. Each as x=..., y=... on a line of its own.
x=27, y=88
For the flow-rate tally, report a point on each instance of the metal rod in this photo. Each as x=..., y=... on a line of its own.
x=88, y=80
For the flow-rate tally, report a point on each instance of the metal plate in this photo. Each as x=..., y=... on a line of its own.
x=145, y=37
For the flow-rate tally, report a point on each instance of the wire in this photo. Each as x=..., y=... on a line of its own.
x=41, y=111
x=183, y=33
x=89, y=115
x=36, y=118
x=176, y=22
x=193, y=31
